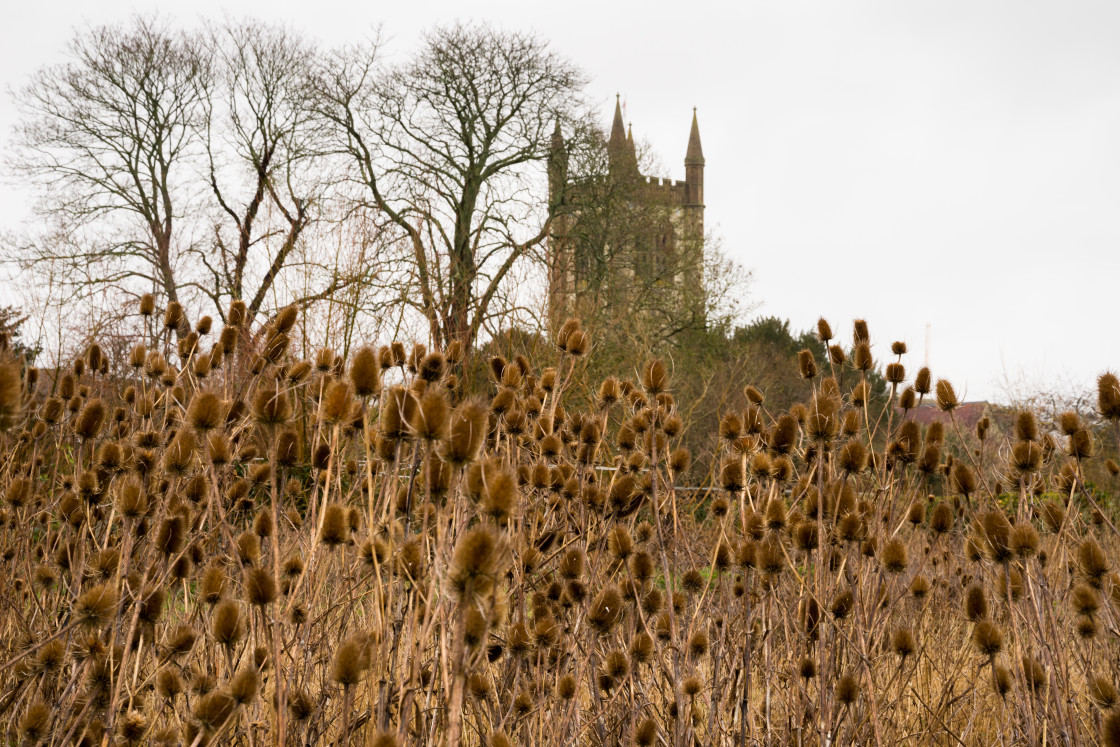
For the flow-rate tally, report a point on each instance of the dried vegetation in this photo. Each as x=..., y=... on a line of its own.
x=223, y=544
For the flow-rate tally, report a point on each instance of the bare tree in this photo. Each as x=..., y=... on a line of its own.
x=263, y=166
x=107, y=135
x=444, y=146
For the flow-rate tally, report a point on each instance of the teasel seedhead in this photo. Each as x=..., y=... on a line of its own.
x=365, y=372
x=97, y=606
x=1108, y=396
x=1026, y=457
x=1034, y=676
x=351, y=660
x=131, y=498
x=88, y=424
x=646, y=733
x=244, y=686
x=147, y=304
x=1024, y=540
x=260, y=587
x=1103, y=693
x=987, y=637
x=806, y=364
x=655, y=377
x=1026, y=426
x=1085, y=600
x=784, y=434
x=398, y=410
x=1093, y=562
x=1081, y=444
x=466, y=433
x=605, y=610
x=847, y=689
x=862, y=358
x=975, y=603
x=226, y=624
x=731, y=474
x=271, y=407
x=1001, y=680
x=946, y=396
x=964, y=479
x=34, y=721
x=338, y=402
x=941, y=520
x=997, y=536
x=903, y=643
x=852, y=457
x=206, y=412
x=335, y=527
x=578, y=342
x=564, y=334
x=173, y=316
x=861, y=393
x=894, y=557
x=479, y=557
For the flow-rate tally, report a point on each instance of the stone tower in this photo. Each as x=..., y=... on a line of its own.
x=625, y=243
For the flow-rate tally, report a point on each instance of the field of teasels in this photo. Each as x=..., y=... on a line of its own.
x=215, y=542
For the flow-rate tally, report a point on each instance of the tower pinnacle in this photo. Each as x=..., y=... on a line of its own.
x=694, y=156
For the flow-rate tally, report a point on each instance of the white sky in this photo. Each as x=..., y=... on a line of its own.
x=951, y=163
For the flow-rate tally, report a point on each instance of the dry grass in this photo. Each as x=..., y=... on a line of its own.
x=224, y=544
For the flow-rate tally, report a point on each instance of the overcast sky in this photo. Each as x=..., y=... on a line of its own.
x=942, y=163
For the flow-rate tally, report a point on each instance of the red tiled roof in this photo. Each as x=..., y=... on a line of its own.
x=967, y=415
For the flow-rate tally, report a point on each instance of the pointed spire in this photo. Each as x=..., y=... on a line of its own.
x=631, y=151
x=616, y=146
x=618, y=129
x=557, y=137
x=695, y=154
x=557, y=163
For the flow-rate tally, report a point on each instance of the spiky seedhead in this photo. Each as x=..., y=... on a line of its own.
x=894, y=557
x=206, y=412
x=335, y=527
x=975, y=604
x=478, y=558
x=964, y=479
x=97, y=606
x=226, y=624
x=1108, y=396
x=988, y=638
x=214, y=709
x=34, y=721
x=1093, y=562
x=351, y=660
x=365, y=372
x=806, y=364
x=244, y=686
x=260, y=587
x=1102, y=692
x=946, y=396
x=605, y=610
x=88, y=424
x=655, y=376
x=847, y=689
x=271, y=406
x=903, y=643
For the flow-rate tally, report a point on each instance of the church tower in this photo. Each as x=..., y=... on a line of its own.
x=620, y=239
